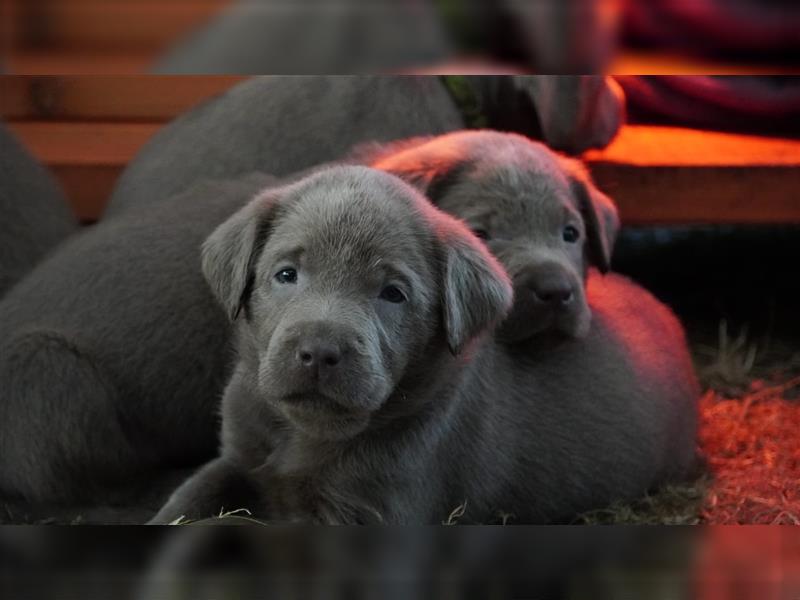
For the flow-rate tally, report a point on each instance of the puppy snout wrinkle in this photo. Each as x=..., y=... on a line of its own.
x=553, y=291
x=320, y=349
x=549, y=284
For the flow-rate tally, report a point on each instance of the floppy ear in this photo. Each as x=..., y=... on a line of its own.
x=477, y=292
x=599, y=215
x=230, y=252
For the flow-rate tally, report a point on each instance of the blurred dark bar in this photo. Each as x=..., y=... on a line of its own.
x=758, y=563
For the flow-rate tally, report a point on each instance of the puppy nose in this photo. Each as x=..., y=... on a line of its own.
x=319, y=354
x=550, y=285
x=553, y=291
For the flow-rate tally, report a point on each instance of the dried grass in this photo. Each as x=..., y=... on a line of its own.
x=749, y=435
x=752, y=446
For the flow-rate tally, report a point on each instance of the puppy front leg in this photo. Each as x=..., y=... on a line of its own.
x=217, y=487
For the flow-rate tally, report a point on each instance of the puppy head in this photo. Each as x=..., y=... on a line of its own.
x=539, y=213
x=343, y=282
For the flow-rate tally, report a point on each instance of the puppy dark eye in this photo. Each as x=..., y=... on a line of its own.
x=286, y=276
x=393, y=294
x=481, y=233
x=571, y=234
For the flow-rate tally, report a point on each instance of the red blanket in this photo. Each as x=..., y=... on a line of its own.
x=717, y=27
x=756, y=104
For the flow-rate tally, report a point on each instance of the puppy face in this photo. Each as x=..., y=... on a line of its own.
x=537, y=212
x=345, y=280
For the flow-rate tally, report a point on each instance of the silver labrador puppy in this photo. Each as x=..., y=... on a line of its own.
x=538, y=212
x=367, y=390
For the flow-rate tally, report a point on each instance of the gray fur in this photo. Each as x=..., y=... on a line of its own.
x=353, y=36
x=34, y=216
x=347, y=36
x=82, y=300
x=401, y=430
x=133, y=310
x=520, y=196
x=576, y=112
x=281, y=125
x=113, y=353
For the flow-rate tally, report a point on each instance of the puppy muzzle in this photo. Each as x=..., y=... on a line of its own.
x=324, y=367
x=547, y=297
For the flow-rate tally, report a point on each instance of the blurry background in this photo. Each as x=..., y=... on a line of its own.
x=621, y=36
x=706, y=172
x=151, y=563
x=697, y=149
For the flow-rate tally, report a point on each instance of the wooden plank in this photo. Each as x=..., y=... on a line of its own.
x=697, y=195
x=677, y=175
x=656, y=175
x=645, y=196
x=656, y=146
x=87, y=158
x=9, y=27
x=104, y=98
x=88, y=188
x=95, y=24
x=84, y=144
x=636, y=145
x=661, y=62
x=736, y=197
x=78, y=62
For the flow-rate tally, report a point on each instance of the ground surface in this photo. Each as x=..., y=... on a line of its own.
x=736, y=292
x=750, y=439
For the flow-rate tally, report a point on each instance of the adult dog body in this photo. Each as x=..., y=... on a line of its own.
x=113, y=353
x=34, y=216
x=282, y=125
x=326, y=421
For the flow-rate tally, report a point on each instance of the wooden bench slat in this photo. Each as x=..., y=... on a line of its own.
x=657, y=146
x=636, y=145
x=78, y=62
x=87, y=187
x=84, y=144
x=664, y=62
x=103, y=98
x=759, y=196
x=702, y=195
x=146, y=24
x=655, y=174
x=677, y=175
